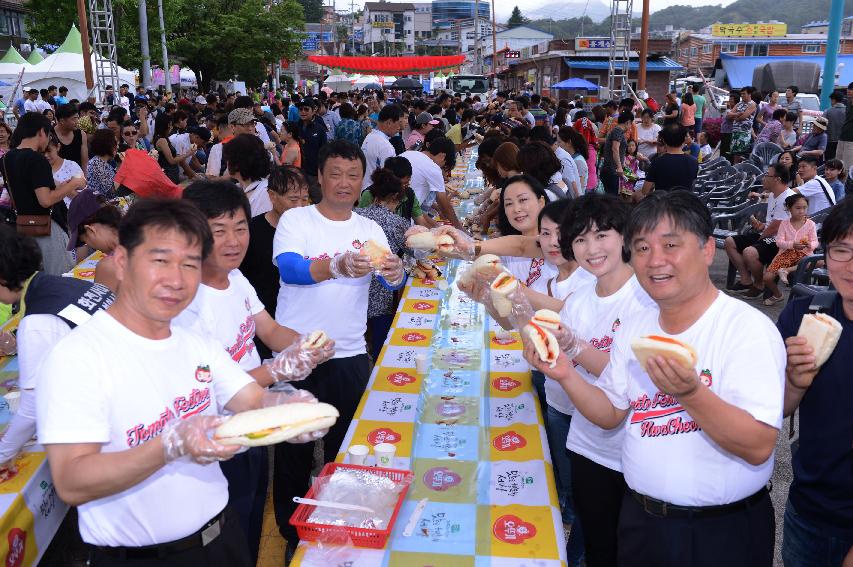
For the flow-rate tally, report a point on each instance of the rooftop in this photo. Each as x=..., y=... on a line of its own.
x=393, y=7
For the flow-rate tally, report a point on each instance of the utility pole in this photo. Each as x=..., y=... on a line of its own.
x=352, y=25
x=494, y=46
x=644, y=46
x=84, y=40
x=167, y=81
x=477, y=68
x=143, y=44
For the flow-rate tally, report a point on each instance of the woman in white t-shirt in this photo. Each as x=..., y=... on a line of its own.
x=65, y=171
x=518, y=213
x=647, y=134
x=592, y=234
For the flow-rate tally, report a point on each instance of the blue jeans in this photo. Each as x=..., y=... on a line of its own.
x=805, y=545
x=698, y=126
x=558, y=431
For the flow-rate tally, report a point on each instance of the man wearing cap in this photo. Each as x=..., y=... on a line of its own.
x=815, y=145
x=197, y=136
x=313, y=138
x=240, y=121
x=247, y=103
x=424, y=122
x=377, y=146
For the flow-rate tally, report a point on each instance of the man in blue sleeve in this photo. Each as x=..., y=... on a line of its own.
x=325, y=284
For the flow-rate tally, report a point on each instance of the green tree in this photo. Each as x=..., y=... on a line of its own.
x=313, y=10
x=516, y=19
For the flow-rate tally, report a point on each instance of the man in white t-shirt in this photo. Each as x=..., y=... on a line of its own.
x=31, y=102
x=197, y=136
x=226, y=308
x=126, y=404
x=376, y=145
x=814, y=188
x=699, y=441
x=750, y=252
x=325, y=285
x=427, y=181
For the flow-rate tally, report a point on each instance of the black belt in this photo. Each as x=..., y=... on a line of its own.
x=205, y=535
x=666, y=510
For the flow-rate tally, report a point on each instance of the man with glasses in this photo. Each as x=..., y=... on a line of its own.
x=819, y=512
x=750, y=252
x=130, y=138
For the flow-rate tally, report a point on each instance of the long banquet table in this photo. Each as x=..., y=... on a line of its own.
x=470, y=429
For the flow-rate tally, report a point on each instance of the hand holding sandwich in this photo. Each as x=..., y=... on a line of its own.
x=350, y=265
x=298, y=360
x=672, y=378
x=283, y=394
x=464, y=247
x=391, y=269
x=802, y=362
x=189, y=437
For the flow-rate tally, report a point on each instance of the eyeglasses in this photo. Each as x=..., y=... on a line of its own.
x=838, y=253
x=133, y=133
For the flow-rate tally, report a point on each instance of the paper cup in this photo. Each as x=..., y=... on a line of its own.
x=421, y=363
x=357, y=454
x=14, y=400
x=385, y=454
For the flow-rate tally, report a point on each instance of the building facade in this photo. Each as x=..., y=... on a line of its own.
x=389, y=28
x=446, y=12
x=12, y=26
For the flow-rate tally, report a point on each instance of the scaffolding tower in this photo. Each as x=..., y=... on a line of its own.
x=103, y=39
x=620, y=47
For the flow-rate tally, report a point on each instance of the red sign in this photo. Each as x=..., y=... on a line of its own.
x=505, y=383
x=382, y=435
x=440, y=479
x=423, y=306
x=17, y=547
x=512, y=529
x=400, y=378
x=509, y=441
x=413, y=337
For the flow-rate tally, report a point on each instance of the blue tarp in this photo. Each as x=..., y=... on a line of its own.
x=576, y=83
x=739, y=69
x=662, y=64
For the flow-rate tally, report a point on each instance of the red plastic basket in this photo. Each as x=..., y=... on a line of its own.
x=360, y=537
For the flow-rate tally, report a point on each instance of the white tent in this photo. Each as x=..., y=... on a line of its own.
x=11, y=65
x=365, y=80
x=65, y=67
x=338, y=83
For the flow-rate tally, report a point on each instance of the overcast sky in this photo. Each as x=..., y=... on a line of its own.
x=504, y=7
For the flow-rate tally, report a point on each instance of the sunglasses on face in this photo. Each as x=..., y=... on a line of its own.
x=131, y=133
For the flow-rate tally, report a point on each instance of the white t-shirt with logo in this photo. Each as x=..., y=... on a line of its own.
x=599, y=321
x=529, y=271
x=666, y=455
x=227, y=315
x=555, y=396
x=776, y=206
x=121, y=395
x=427, y=178
x=377, y=149
x=339, y=306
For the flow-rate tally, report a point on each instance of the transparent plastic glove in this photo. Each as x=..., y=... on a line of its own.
x=417, y=254
x=296, y=362
x=522, y=311
x=283, y=393
x=463, y=244
x=415, y=229
x=8, y=343
x=569, y=342
x=189, y=437
x=350, y=265
x=392, y=269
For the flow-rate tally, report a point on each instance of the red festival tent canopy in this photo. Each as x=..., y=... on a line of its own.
x=388, y=65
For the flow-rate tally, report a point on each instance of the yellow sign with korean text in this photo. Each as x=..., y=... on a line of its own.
x=749, y=30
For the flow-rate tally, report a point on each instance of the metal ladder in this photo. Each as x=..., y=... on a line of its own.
x=103, y=46
x=620, y=47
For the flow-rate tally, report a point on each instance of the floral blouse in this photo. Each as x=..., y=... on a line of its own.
x=99, y=177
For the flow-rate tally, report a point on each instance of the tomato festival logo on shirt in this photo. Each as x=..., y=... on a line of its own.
x=357, y=244
x=244, y=343
x=17, y=539
x=616, y=324
x=182, y=407
x=505, y=384
x=509, y=441
x=202, y=373
x=383, y=435
x=413, y=337
x=647, y=409
x=441, y=479
x=705, y=377
x=512, y=529
x=400, y=378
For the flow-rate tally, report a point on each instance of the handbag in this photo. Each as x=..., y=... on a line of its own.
x=28, y=225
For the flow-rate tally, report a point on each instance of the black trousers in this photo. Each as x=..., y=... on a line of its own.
x=227, y=550
x=610, y=181
x=341, y=383
x=743, y=538
x=248, y=477
x=597, y=492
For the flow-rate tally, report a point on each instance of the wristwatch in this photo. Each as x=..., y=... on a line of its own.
x=478, y=249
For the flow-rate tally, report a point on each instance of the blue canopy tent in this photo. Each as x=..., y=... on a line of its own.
x=577, y=84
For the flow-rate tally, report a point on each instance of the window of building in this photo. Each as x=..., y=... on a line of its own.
x=694, y=51
x=729, y=48
x=706, y=48
x=811, y=49
x=756, y=50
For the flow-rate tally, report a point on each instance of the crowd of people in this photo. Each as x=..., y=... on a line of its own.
x=253, y=238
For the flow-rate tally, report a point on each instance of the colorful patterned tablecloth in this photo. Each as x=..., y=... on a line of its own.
x=471, y=431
